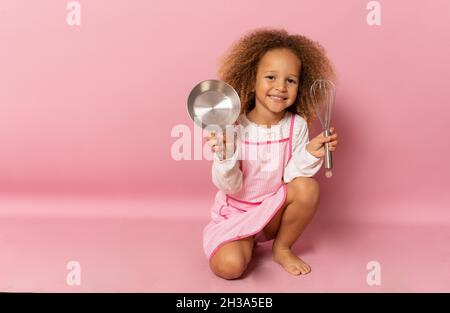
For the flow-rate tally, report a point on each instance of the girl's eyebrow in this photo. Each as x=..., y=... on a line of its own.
x=277, y=72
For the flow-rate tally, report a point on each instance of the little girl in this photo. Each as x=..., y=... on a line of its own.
x=272, y=195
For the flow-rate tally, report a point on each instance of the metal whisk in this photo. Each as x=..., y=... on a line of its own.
x=323, y=93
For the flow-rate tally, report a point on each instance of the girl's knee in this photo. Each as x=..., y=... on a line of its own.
x=228, y=266
x=305, y=190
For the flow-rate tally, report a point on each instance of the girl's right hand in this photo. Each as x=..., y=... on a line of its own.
x=217, y=142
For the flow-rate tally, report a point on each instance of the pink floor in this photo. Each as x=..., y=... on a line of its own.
x=148, y=254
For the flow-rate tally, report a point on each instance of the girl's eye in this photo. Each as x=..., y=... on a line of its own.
x=291, y=81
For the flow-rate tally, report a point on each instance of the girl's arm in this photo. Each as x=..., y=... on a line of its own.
x=226, y=174
x=302, y=162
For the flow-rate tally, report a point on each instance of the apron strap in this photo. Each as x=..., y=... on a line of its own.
x=291, y=131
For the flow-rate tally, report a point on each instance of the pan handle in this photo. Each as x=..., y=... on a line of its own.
x=229, y=146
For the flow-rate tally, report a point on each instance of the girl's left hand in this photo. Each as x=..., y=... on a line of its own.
x=316, y=145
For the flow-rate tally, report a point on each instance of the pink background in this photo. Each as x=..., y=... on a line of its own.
x=86, y=112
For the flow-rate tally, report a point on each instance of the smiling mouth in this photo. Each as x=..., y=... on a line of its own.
x=277, y=98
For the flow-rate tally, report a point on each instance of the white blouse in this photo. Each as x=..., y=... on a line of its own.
x=226, y=174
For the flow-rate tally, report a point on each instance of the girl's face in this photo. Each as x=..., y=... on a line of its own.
x=277, y=80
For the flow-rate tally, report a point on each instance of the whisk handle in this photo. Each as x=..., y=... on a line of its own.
x=328, y=156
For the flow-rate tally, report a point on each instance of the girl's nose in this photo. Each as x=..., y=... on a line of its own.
x=281, y=87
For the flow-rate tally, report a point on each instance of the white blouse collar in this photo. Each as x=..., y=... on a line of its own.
x=244, y=121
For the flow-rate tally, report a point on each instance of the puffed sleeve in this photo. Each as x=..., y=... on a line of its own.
x=302, y=162
x=226, y=174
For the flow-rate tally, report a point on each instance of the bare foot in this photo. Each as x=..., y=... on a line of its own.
x=290, y=262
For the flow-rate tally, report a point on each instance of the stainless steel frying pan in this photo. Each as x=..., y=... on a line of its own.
x=213, y=102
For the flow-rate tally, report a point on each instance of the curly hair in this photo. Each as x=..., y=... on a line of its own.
x=238, y=66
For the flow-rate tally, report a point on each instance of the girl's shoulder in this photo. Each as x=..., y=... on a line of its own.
x=300, y=126
x=299, y=120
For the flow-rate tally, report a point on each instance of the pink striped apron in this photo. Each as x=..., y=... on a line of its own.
x=263, y=193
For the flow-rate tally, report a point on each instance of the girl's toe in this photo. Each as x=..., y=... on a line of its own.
x=295, y=270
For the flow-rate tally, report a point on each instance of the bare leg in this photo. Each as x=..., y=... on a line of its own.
x=231, y=260
x=301, y=203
